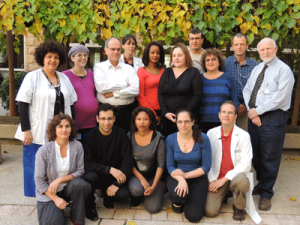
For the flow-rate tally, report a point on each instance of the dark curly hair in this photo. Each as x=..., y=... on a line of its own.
x=52, y=47
x=216, y=52
x=161, y=61
x=56, y=121
x=151, y=115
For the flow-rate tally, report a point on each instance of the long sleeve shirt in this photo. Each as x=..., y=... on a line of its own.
x=239, y=73
x=199, y=157
x=182, y=92
x=101, y=152
x=276, y=89
x=121, y=80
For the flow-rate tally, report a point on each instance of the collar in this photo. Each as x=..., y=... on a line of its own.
x=109, y=65
x=273, y=62
x=235, y=61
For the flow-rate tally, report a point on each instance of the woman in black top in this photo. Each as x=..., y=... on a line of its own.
x=180, y=86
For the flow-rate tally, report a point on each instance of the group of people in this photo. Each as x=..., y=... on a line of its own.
x=136, y=119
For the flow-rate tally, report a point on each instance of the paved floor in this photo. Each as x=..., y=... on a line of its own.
x=15, y=209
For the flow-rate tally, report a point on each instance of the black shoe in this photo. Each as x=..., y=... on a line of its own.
x=135, y=201
x=108, y=203
x=91, y=214
x=238, y=214
x=177, y=209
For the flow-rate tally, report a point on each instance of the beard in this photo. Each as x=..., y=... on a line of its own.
x=268, y=60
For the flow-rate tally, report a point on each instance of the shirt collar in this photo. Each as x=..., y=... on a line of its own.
x=57, y=147
x=273, y=62
x=244, y=64
x=109, y=65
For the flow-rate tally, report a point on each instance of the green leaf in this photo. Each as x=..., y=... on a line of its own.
x=210, y=36
x=296, y=15
x=249, y=16
x=277, y=24
x=246, y=7
x=269, y=13
x=291, y=23
x=118, y=26
x=275, y=36
x=250, y=38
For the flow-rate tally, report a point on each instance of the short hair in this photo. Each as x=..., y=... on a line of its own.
x=105, y=107
x=240, y=35
x=266, y=39
x=230, y=103
x=196, y=31
x=111, y=38
x=128, y=37
x=149, y=112
x=188, y=59
x=196, y=129
x=50, y=46
x=161, y=61
x=216, y=52
x=56, y=121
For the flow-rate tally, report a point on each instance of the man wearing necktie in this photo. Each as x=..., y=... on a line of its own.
x=267, y=96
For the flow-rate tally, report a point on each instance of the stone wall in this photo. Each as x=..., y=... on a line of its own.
x=31, y=42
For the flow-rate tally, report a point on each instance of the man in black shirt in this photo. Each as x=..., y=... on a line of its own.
x=108, y=161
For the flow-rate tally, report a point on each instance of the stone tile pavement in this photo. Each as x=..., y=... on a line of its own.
x=15, y=209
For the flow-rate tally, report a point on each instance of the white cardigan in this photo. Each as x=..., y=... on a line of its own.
x=241, y=155
x=137, y=62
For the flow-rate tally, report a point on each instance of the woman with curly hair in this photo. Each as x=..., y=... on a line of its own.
x=218, y=87
x=44, y=93
x=59, y=167
x=148, y=149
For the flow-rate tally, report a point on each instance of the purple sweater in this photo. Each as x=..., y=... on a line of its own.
x=87, y=104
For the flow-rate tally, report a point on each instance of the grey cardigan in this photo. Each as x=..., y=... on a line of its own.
x=45, y=166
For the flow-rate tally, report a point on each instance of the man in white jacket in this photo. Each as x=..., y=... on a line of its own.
x=231, y=163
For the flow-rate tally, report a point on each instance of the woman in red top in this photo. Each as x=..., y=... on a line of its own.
x=149, y=75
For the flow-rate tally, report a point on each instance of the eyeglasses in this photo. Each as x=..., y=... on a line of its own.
x=109, y=119
x=81, y=55
x=183, y=122
x=114, y=49
x=196, y=39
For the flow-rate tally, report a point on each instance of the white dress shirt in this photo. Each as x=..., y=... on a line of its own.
x=276, y=89
x=137, y=62
x=62, y=164
x=37, y=91
x=121, y=80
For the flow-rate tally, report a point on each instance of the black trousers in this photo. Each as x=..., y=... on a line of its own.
x=123, y=116
x=194, y=202
x=102, y=182
x=267, y=143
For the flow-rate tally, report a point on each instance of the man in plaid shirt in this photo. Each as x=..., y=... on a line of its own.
x=240, y=67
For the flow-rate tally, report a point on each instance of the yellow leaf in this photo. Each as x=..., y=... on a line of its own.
x=72, y=17
x=131, y=223
x=59, y=37
x=62, y=22
x=243, y=14
x=268, y=26
x=256, y=18
x=106, y=33
x=99, y=20
x=254, y=29
x=240, y=19
x=245, y=26
x=225, y=4
x=293, y=199
x=169, y=210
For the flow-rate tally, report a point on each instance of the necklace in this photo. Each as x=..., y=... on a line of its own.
x=183, y=144
x=81, y=76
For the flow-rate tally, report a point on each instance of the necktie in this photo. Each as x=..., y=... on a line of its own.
x=257, y=86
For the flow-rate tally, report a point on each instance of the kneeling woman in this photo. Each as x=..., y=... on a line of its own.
x=188, y=162
x=148, y=149
x=58, y=167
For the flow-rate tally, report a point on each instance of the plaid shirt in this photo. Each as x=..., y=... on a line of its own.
x=239, y=73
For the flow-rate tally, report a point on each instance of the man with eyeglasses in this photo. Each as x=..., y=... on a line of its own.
x=116, y=83
x=195, y=41
x=239, y=66
x=231, y=164
x=108, y=161
x=267, y=96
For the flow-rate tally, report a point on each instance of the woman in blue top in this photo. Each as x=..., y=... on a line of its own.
x=218, y=87
x=188, y=162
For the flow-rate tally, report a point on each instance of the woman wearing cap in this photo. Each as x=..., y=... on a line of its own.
x=82, y=80
x=129, y=45
x=44, y=93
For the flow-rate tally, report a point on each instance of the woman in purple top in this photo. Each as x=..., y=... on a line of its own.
x=82, y=80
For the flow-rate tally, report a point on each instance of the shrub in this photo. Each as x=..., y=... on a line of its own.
x=4, y=88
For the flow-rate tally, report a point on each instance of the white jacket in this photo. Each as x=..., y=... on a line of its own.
x=241, y=155
x=137, y=62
